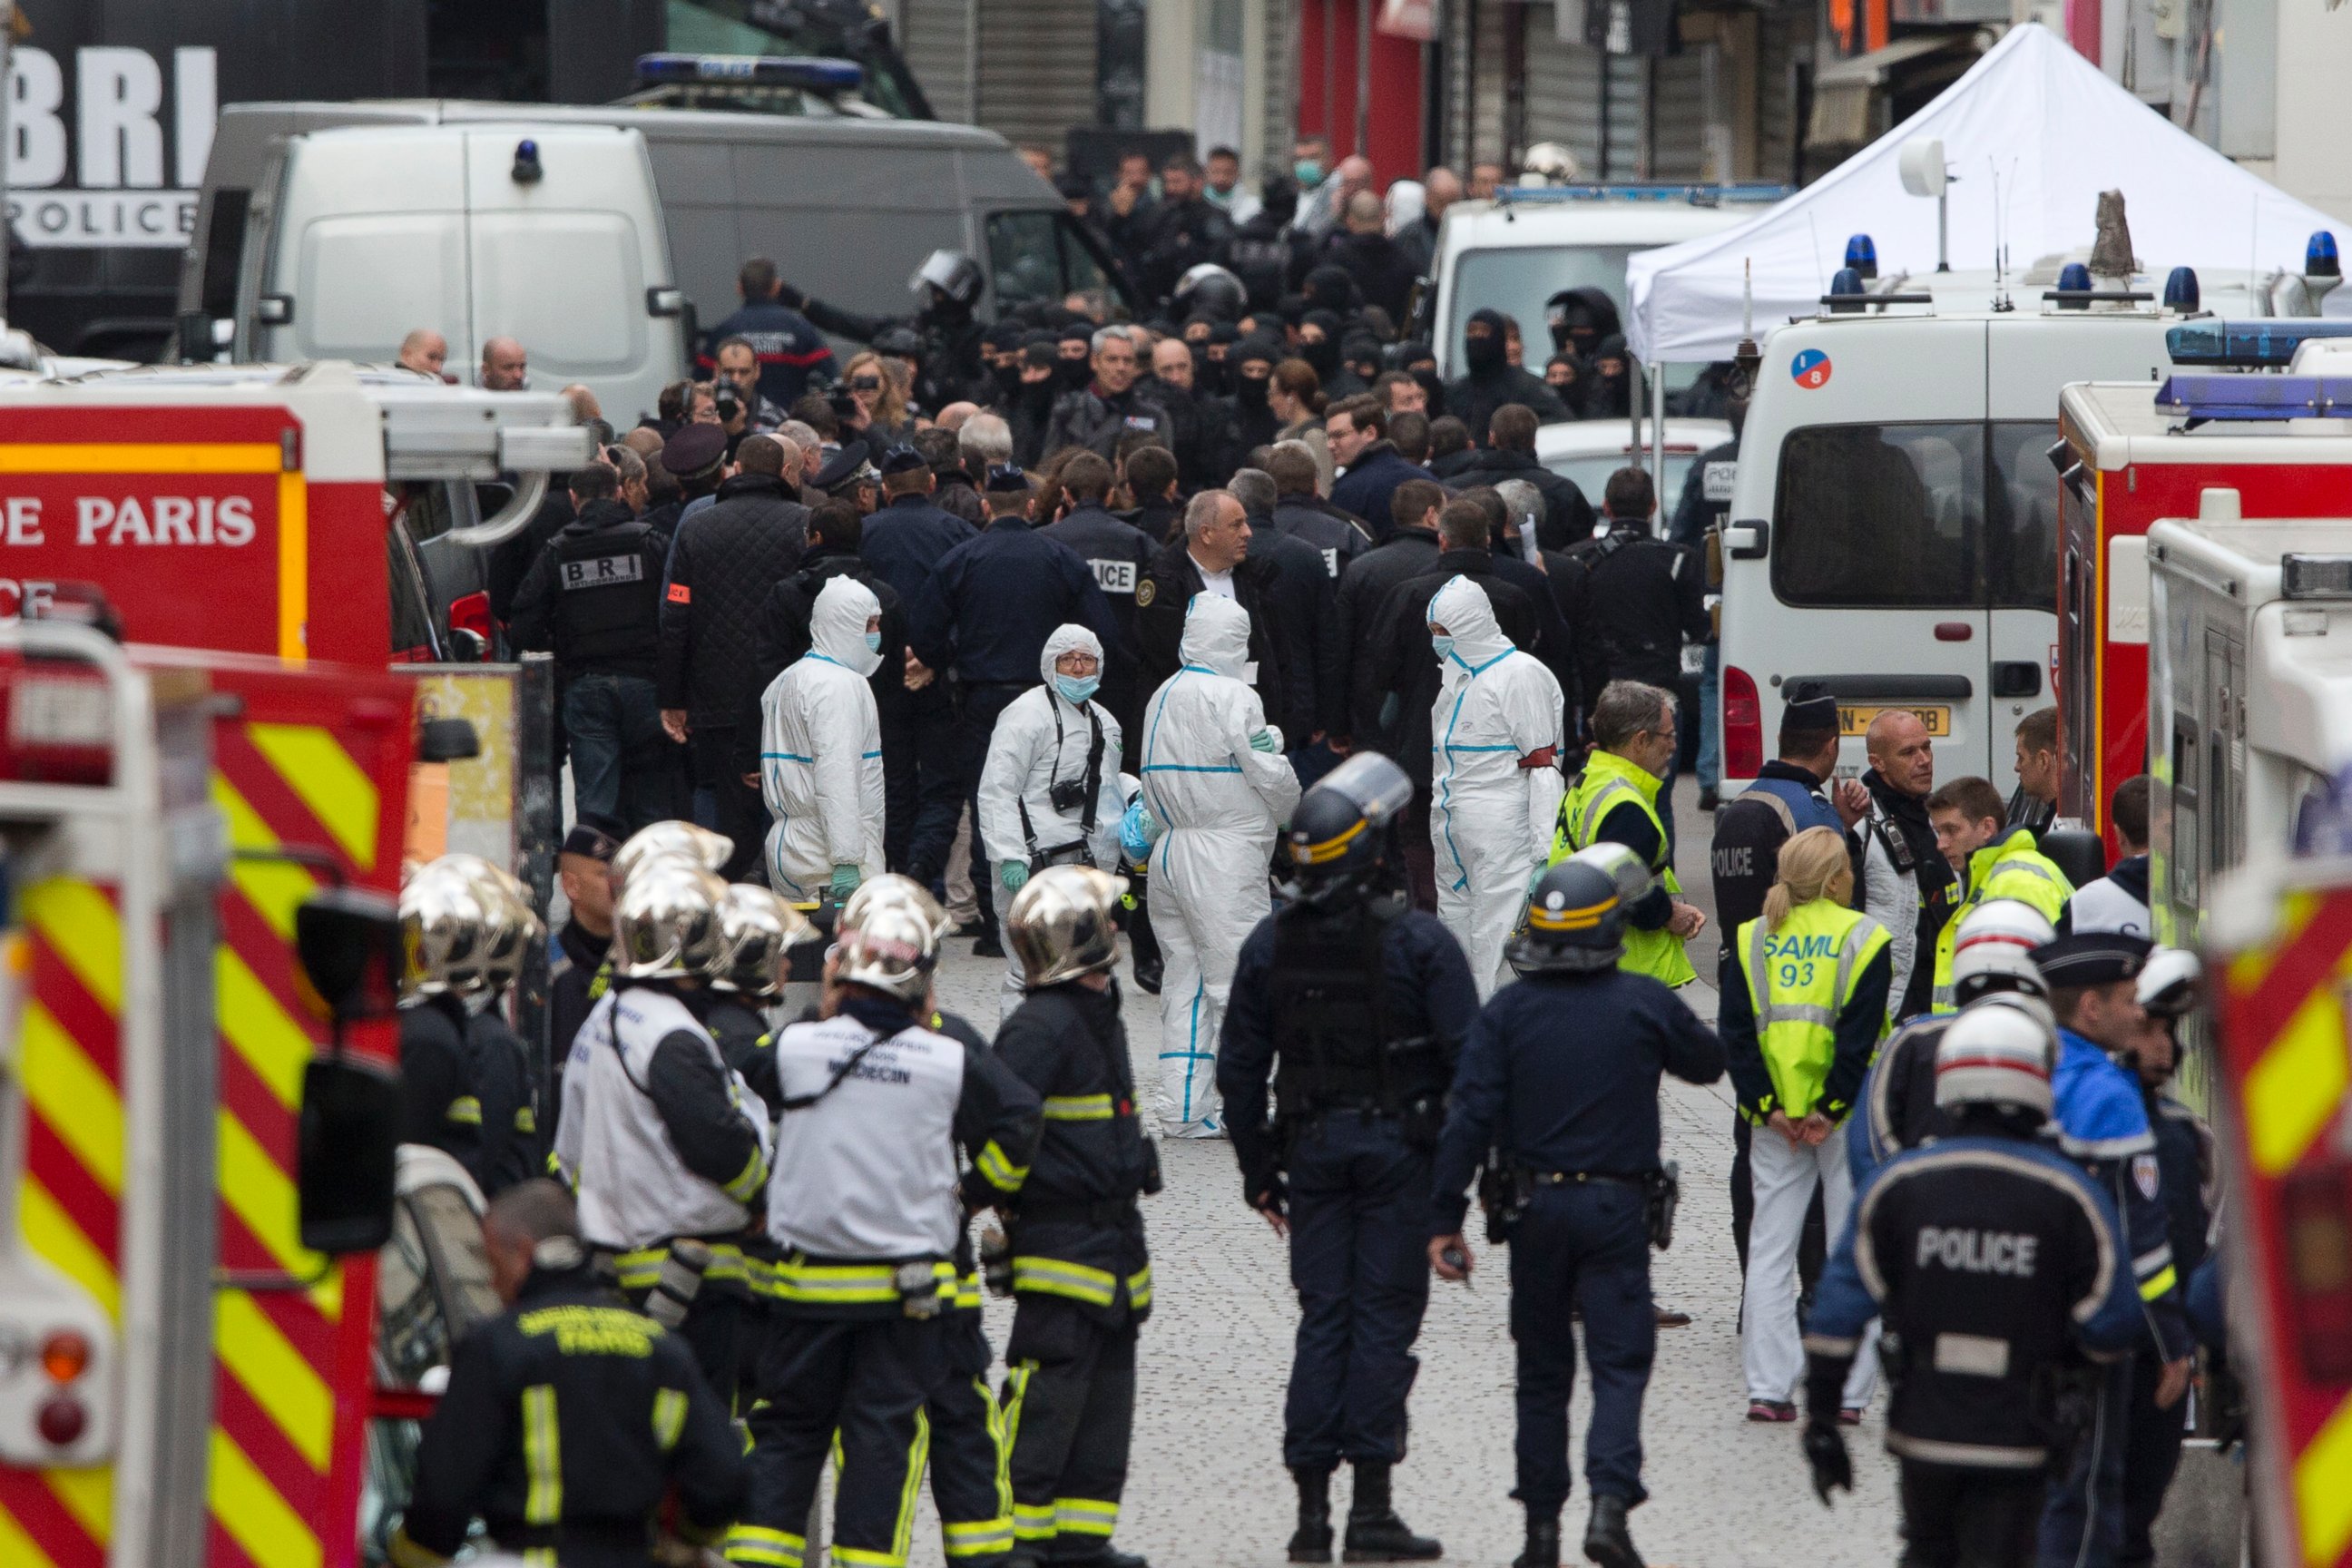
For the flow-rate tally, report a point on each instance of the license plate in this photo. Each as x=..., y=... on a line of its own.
x=1937, y=716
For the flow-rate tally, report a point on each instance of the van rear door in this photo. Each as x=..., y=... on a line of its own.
x=1876, y=549
x=368, y=241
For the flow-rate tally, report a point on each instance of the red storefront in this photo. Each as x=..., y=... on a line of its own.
x=1359, y=80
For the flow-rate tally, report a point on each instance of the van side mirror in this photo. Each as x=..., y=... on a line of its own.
x=2081, y=854
x=347, y=1155
x=446, y=740
x=349, y=943
x=196, y=336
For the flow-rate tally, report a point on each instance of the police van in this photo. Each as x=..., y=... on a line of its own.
x=1895, y=523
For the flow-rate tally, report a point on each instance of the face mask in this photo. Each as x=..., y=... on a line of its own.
x=1076, y=688
x=873, y=642
x=1308, y=172
x=1251, y=390
x=1443, y=645
x=1076, y=373
x=1323, y=356
x=1483, y=353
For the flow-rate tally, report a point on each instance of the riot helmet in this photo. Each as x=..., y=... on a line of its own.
x=1575, y=922
x=1998, y=1053
x=756, y=929
x=1344, y=836
x=2168, y=984
x=666, y=921
x=1210, y=290
x=1061, y=924
x=955, y=277
x=1627, y=871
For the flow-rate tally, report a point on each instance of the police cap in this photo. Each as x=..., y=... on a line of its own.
x=2092, y=958
x=593, y=837
x=694, y=451
x=847, y=464
x=1006, y=478
x=1808, y=705
x=902, y=459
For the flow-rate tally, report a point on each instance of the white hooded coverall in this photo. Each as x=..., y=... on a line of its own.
x=1495, y=780
x=1040, y=740
x=1221, y=802
x=821, y=750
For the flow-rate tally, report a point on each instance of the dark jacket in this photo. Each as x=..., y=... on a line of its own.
x=1371, y=483
x=1028, y=411
x=1301, y=601
x=632, y=1418
x=1312, y=520
x=1745, y=857
x=572, y=992
x=793, y=352
x=1648, y=597
x=994, y=599
x=906, y=540
x=1077, y=1235
x=1698, y=510
x=779, y=637
x=1402, y=662
x=1261, y=255
x=723, y=562
x=511, y=1150
x=957, y=497
x=441, y=1103
x=1117, y=553
x=1091, y=419
x=1364, y=588
x=1474, y=399
x=1167, y=588
x=1384, y=272
x=1904, y=817
x=1203, y=435
x=951, y=367
x=1568, y=516
x=594, y=596
x=1176, y=237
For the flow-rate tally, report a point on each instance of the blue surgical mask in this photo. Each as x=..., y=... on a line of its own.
x=1443, y=645
x=874, y=642
x=1308, y=173
x=1076, y=689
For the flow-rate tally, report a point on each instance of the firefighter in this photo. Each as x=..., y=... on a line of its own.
x=1080, y=1270
x=568, y=1418
x=1355, y=1005
x=665, y=1147
x=443, y=925
x=1561, y=1075
x=1990, y=1258
x=511, y=1150
x=863, y=1208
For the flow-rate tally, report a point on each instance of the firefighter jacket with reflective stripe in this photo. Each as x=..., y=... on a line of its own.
x=512, y=1149
x=567, y=1419
x=659, y=1138
x=441, y=1104
x=1075, y=1230
x=865, y=1178
x=2011, y=867
x=1815, y=990
x=1608, y=783
x=1989, y=1259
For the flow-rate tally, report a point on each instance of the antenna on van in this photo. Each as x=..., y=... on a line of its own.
x=2000, y=300
x=1747, y=358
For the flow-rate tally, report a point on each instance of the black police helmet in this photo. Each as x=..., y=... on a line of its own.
x=1343, y=837
x=1576, y=923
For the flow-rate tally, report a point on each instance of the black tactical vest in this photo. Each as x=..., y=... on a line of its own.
x=608, y=596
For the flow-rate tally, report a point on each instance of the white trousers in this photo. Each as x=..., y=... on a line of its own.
x=1771, y=1349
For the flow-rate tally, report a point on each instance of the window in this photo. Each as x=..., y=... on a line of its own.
x=1024, y=260
x=224, y=253
x=2021, y=518
x=413, y=634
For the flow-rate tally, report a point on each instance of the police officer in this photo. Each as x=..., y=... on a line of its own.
x=569, y=1418
x=583, y=944
x=1560, y=1074
x=1355, y=1006
x=2103, y=1126
x=665, y=1147
x=1118, y=554
x=1992, y=1260
x=511, y=1152
x=1648, y=595
x=443, y=926
x=1614, y=799
x=593, y=598
x=946, y=288
x=1080, y=1269
x=863, y=1206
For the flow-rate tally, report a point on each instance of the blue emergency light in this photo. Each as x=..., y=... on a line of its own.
x=2319, y=258
x=2180, y=292
x=1861, y=256
x=808, y=73
x=2210, y=396
x=2267, y=341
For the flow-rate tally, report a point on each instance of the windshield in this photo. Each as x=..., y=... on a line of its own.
x=1590, y=471
x=1518, y=282
x=766, y=27
x=1036, y=257
x=1901, y=516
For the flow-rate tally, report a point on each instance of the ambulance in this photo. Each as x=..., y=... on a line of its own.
x=1894, y=524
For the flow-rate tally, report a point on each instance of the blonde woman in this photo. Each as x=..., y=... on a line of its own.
x=879, y=411
x=1804, y=1009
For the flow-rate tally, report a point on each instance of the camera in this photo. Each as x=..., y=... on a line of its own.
x=1068, y=795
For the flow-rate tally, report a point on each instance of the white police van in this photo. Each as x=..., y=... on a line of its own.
x=1895, y=524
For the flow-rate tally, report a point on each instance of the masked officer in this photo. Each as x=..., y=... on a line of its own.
x=443, y=926
x=511, y=1150
x=864, y=1206
x=569, y=1418
x=1080, y=1270
x=945, y=287
x=1354, y=1004
x=1992, y=1261
x=2103, y=1126
x=665, y=1147
x=1614, y=799
x=1560, y=1074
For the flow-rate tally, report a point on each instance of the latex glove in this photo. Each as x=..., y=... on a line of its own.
x=1825, y=1451
x=1535, y=877
x=845, y=881
x=1013, y=874
x=1266, y=741
x=1138, y=830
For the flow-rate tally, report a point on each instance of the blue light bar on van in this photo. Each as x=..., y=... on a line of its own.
x=1698, y=195
x=2265, y=341
x=2206, y=396
x=806, y=72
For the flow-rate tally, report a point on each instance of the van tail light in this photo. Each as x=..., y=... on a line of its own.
x=1743, y=725
x=472, y=613
x=2315, y=1213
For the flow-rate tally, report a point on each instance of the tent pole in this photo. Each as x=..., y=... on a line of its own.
x=1658, y=438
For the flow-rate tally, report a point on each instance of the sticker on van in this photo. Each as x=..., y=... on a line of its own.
x=1810, y=369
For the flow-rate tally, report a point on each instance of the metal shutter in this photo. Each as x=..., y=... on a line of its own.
x=1563, y=90
x=1281, y=73
x=1776, y=129
x=1685, y=107
x=1491, y=18
x=1035, y=75
x=937, y=36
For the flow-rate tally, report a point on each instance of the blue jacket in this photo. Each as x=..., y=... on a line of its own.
x=791, y=351
x=994, y=600
x=908, y=539
x=2102, y=1125
x=1371, y=483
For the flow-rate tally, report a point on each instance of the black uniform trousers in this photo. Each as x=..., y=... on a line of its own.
x=1582, y=1245
x=921, y=792
x=867, y=1380
x=969, y=1484
x=715, y=1330
x=978, y=707
x=1069, y=1414
x=1962, y=1517
x=2083, y=1515
x=2151, y=1454
x=737, y=809
x=1360, y=1262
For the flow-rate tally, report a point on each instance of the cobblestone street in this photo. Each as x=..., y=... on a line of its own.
x=1208, y=1485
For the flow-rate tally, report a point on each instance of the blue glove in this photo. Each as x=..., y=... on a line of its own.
x=845, y=881
x=1265, y=740
x=1138, y=832
x=1013, y=874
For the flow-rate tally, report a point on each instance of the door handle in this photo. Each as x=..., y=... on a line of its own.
x=2016, y=677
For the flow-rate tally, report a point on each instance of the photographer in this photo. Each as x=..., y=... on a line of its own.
x=1049, y=791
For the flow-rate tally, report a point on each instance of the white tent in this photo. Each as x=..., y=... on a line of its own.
x=2056, y=133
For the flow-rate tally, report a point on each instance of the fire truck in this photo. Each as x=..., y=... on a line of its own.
x=190, y=1362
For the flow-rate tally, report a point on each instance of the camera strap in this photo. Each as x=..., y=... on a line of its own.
x=792, y=1102
x=1053, y=776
